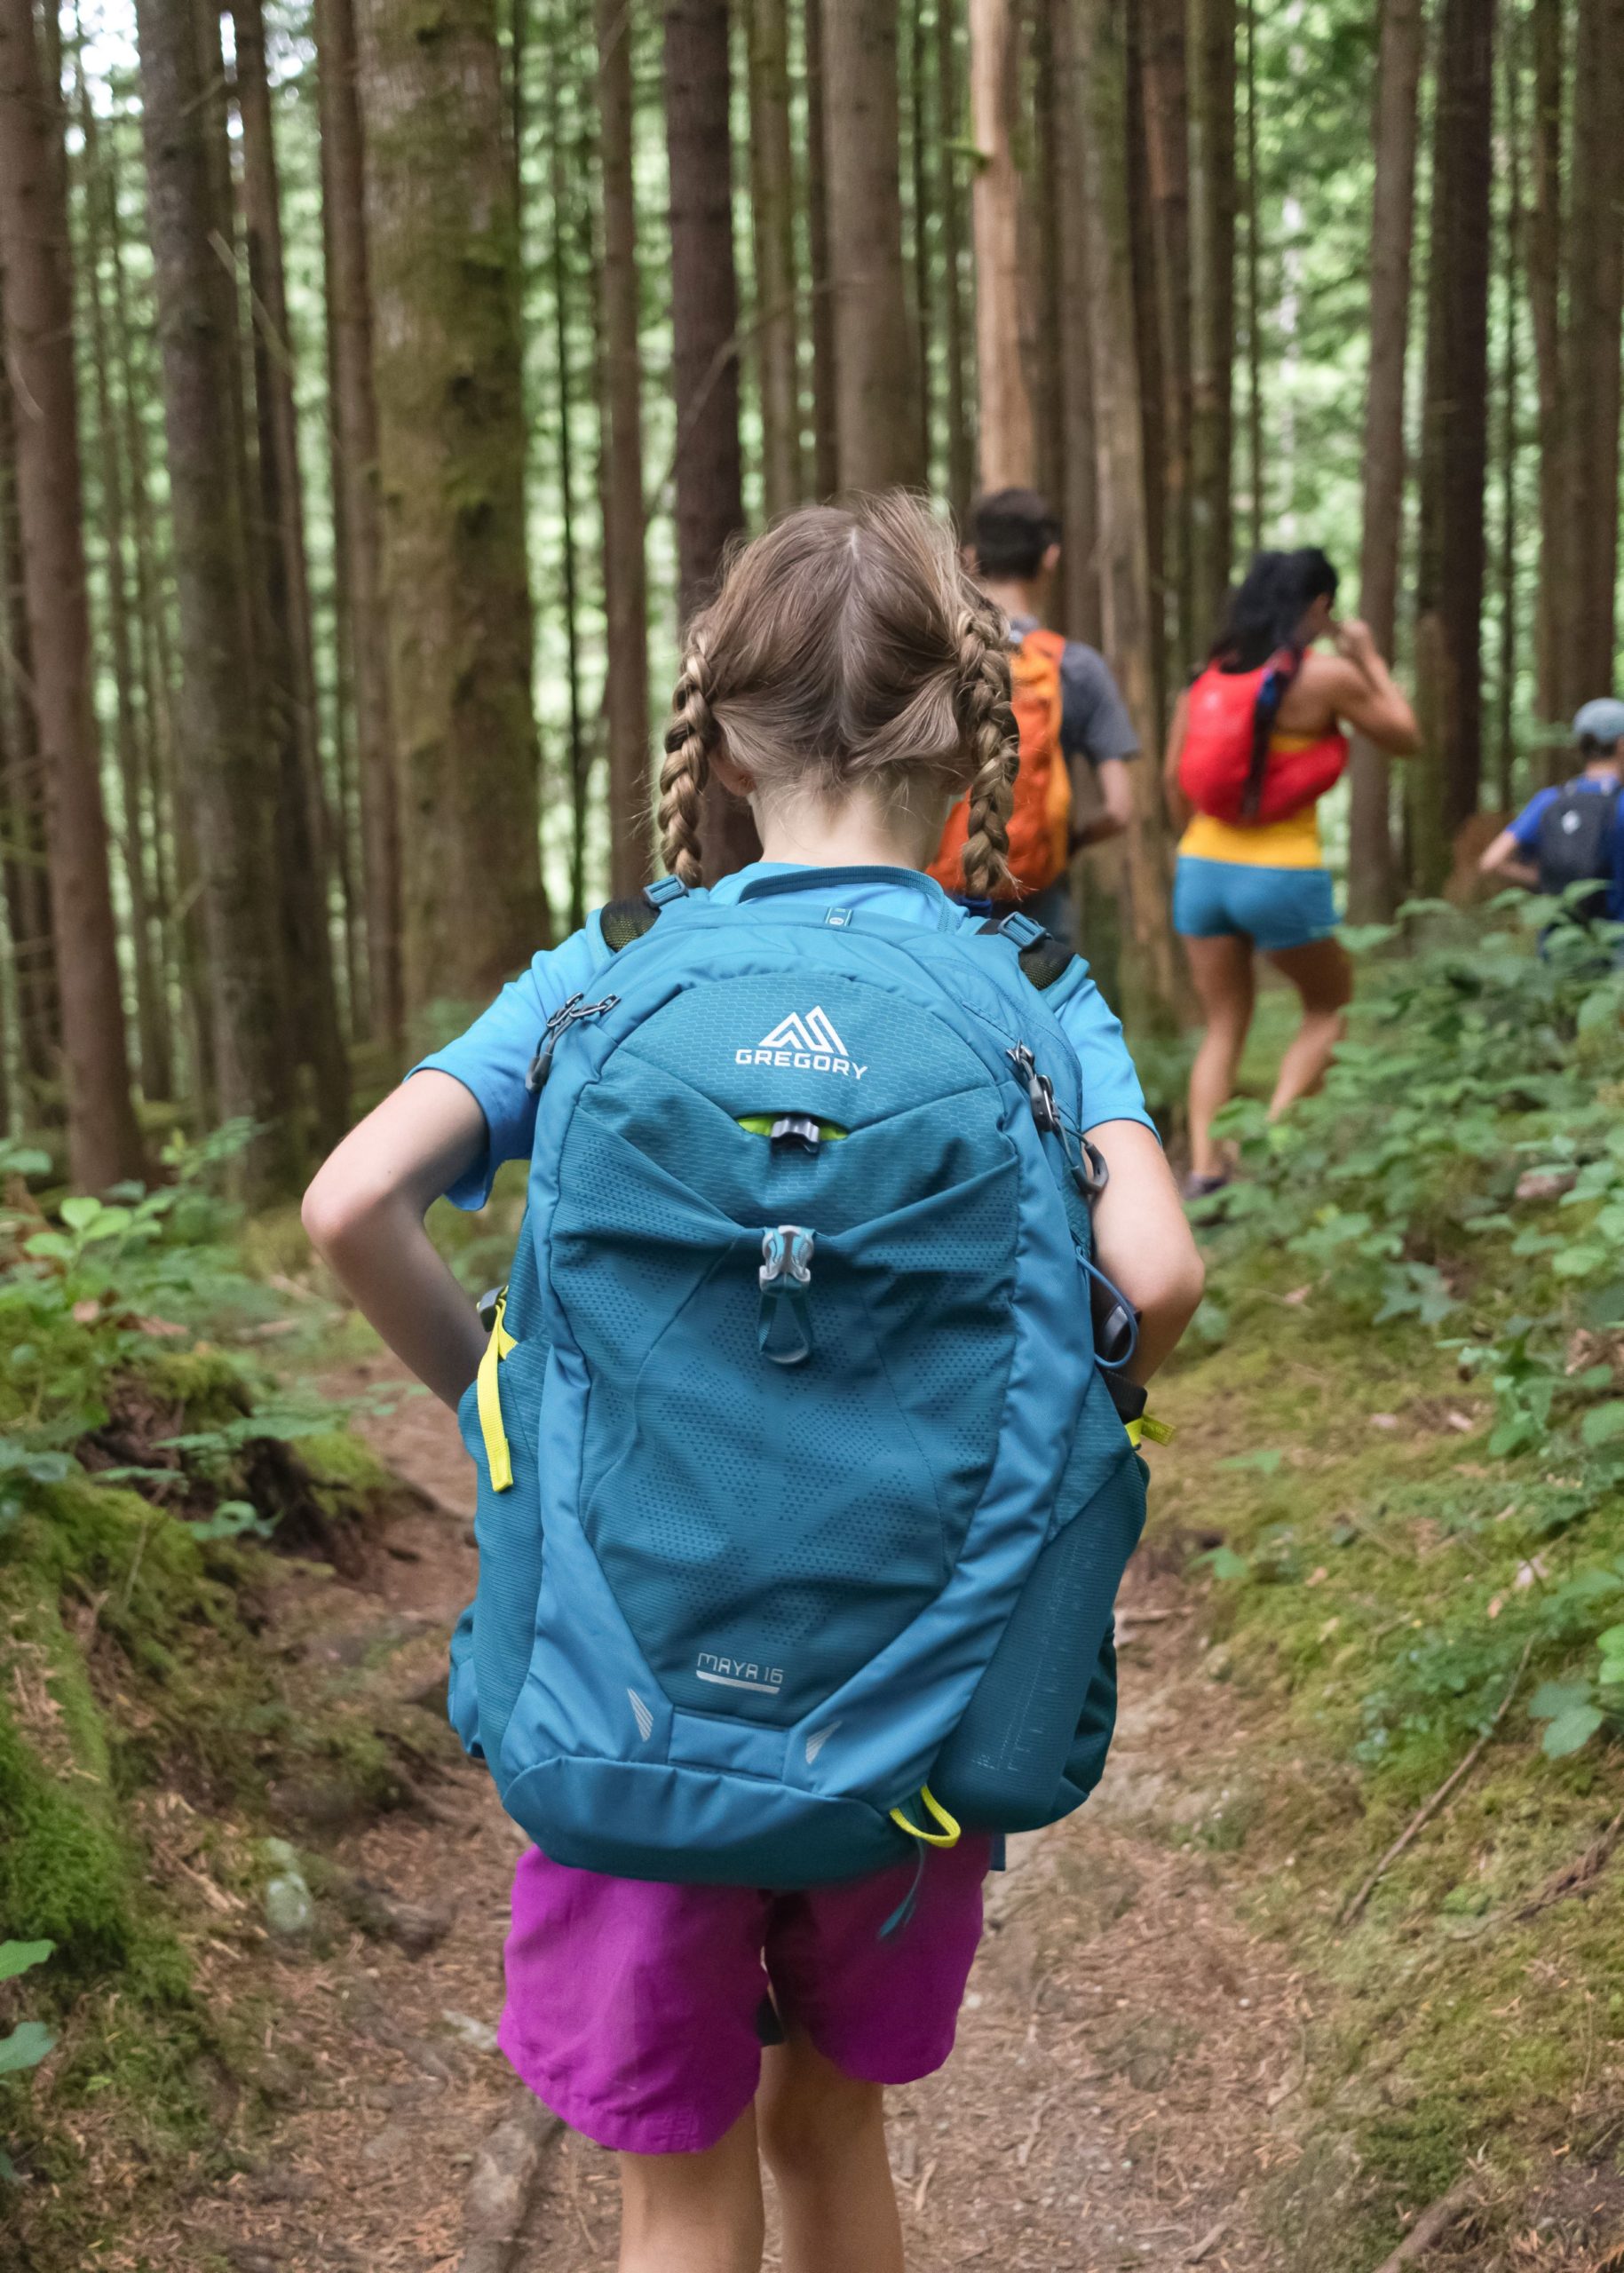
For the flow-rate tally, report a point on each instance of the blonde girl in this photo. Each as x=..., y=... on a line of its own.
x=851, y=683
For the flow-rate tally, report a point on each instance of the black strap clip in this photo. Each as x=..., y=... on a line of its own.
x=1040, y=1091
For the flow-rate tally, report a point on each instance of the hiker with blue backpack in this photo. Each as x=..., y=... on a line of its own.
x=806, y=1477
x=1568, y=837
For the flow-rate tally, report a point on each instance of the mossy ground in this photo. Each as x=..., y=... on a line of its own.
x=149, y=1727
x=1370, y=1589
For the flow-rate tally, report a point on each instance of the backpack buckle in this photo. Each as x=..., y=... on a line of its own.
x=797, y=1129
x=784, y=1333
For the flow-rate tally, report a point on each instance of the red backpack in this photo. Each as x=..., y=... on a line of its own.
x=1227, y=767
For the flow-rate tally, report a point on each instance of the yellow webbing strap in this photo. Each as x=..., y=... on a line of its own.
x=948, y=1835
x=496, y=1455
x=1158, y=1432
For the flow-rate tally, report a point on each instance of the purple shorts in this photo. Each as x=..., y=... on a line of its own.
x=632, y=2007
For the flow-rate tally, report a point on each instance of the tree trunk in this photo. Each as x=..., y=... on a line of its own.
x=705, y=348
x=222, y=759
x=1211, y=60
x=1096, y=70
x=1141, y=268
x=825, y=450
x=443, y=249
x=1164, y=89
x=1005, y=429
x=355, y=453
x=778, y=345
x=152, y=1024
x=302, y=848
x=1510, y=432
x=877, y=421
x=1454, y=458
x=1371, y=879
x=180, y=931
x=625, y=568
x=1543, y=267
x=950, y=203
x=104, y=1145
x=1258, y=481
x=1595, y=308
x=918, y=81
x=560, y=216
x=22, y=807
x=1078, y=498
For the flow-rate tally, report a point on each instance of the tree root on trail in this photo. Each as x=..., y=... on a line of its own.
x=1576, y=1877
x=1432, y=2224
x=1427, y=1809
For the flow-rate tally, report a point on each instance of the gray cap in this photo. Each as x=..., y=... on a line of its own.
x=1601, y=721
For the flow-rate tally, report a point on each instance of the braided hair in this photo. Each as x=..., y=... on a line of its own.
x=689, y=741
x=847, y=649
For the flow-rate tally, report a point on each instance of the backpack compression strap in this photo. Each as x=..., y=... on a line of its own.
x=1043, y=958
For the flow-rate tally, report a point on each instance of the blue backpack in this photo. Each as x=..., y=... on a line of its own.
x=803, y=1499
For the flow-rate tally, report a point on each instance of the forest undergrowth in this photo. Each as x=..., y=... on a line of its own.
x=1395, y=1499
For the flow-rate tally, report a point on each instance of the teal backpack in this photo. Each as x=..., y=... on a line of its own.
x=803, y=1497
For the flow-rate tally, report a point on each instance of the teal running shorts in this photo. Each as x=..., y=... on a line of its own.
x=1276, y=908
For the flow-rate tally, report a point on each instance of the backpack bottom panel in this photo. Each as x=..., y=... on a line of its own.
x=697, y=1826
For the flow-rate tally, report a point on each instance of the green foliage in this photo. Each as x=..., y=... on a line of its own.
x=1410, y=1514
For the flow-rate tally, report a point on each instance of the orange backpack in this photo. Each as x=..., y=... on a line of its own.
x=1041, y=819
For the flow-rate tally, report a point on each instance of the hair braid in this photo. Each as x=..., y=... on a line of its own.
x=689, y=740
x=982, y=700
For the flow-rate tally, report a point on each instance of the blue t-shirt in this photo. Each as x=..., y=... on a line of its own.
x=492, y=1058
x=1525, y=831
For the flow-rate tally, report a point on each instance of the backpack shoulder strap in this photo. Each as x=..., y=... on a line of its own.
x=622, y=920
x=1043, y=958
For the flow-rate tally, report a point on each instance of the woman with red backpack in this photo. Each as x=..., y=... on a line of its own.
x=1255, y=742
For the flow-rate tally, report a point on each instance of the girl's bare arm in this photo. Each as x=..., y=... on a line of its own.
x=364, y=1213
x=1143, y=1242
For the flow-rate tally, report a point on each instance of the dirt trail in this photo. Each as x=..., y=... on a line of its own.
x=1126, y=2062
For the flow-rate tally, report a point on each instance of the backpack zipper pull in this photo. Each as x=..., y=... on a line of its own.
x=568, y=1014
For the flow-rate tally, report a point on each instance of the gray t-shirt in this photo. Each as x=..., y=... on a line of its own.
x=1094, y=722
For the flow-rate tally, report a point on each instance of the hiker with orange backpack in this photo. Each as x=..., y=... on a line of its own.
x=1067, y=712
x=1255, y=742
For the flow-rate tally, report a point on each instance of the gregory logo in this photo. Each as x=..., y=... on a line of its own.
x=809, y=1044
x=739, y=1672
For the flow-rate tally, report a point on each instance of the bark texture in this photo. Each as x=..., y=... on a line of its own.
x=1371, y=878
x=224, y=767
x=34, y=253
x=1595, y=305
x=360, y=515
x=1098, y=72
x=778, y=344
x=1005, y=427
x=1079, y=495
x=877, y=423
x=1543, y=269
x=1455, y=457
x=705, y=346
x=621, y=466
x=826, y=449
x=443, y=244
x=1211, y=65
x=302, y=831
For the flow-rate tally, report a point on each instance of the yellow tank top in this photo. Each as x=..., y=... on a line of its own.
x=1292, y=843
